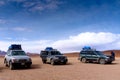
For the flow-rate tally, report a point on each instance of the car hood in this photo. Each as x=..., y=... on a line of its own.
x=105, y=56
x=21, y=57
x=109, y=56
x=60, y=56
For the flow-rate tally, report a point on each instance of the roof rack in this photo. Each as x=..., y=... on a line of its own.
x=15, y=47
x=50, y=49
x=88, y=48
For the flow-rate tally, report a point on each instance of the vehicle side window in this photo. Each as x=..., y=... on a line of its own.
x=92, y=53
x=44, y=53
x=83, y=52
x=8, y=53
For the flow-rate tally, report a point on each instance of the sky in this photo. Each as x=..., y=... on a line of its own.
x=66, y=25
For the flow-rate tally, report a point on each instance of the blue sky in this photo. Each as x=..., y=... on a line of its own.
x=67, y=25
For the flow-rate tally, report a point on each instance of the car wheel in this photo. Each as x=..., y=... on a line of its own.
x=110, y=62
x=5, y=62
x=90, y=61
x=28, y=66
x=52, y=62
x=102, y=61
x=84, y=60
x=64, y=63
x=11, y=65
x=44, y=61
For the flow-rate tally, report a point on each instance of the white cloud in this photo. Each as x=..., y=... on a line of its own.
x=8, y=38
x=100, y=41
x=2, y=21
x=28, y=46
x=21, y=29
x=1, y=28
x=4, y=45
x=17, y=0
x=52, y=4
x=35, y=5
x=2, y=3
x=40, y=5
x=28, y=4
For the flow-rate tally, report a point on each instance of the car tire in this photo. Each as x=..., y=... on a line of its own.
x=64, y=63
x=102, y=61
x=52, y=62
x=11, y=65
x=5, y=62
x=28, y=66
x=83, y=60
x=44, y=61
x=110, y=62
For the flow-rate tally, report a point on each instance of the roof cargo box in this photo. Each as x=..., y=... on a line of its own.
x=86, y=48
x=48, y=48
x=15, y=47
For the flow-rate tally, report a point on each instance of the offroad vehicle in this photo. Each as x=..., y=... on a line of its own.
x=90, y=55
x=52, y=56
x=16, y=57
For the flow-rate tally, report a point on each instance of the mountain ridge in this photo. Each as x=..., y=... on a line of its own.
x=70, y=54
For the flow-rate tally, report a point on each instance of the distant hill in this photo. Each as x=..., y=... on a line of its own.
x=117, y=52
x=2, y=53
x=107, y=52
x=71, y=54
x=32, y=54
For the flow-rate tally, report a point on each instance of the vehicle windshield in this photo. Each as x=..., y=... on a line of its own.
x=99, y=53
x=55, y=53
x=17, y=53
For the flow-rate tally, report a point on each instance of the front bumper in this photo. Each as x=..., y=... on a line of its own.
x=22, y=64
x=108, y=60
x=60, y=61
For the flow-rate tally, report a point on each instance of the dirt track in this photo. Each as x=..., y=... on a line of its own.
x=74, y=70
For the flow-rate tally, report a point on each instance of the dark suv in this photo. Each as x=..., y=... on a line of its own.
x=52, y=56
x=94, y=56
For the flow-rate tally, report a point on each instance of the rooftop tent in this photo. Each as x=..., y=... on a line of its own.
x=15, y=47
x=48, y=48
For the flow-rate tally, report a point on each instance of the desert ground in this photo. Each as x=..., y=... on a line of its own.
x=74, y=70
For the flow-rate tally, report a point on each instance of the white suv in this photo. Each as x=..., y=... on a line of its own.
x=15, y=58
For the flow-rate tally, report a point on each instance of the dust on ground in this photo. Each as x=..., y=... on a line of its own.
x=74, y=70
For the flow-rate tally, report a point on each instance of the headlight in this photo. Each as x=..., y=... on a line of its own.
x=107, y=58
x=14, y=60
x=56, y=57
x=29, y=59
x=65, y=57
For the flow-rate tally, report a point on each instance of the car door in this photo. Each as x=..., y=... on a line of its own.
x=94, y=56
x=8, y=56
x=49, y=57
x=44, y=55
x=88, y=55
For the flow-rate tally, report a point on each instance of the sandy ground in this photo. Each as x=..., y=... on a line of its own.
x=74, y=70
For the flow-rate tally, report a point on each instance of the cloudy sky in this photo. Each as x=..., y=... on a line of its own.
x=67, y=25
